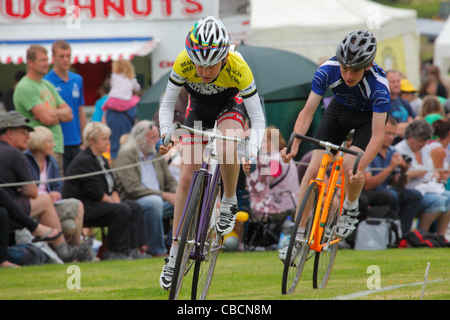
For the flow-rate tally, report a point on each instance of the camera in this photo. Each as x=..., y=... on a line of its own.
x=407, y=159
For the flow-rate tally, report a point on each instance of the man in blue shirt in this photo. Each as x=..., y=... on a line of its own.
x=361, y=101
x=387, y=172
x=70, y=87
x=400, y=109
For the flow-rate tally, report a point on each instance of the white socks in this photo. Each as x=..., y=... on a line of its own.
x=350, y=205
x=232, y=200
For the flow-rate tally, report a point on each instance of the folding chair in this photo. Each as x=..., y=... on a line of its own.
x=264, y=227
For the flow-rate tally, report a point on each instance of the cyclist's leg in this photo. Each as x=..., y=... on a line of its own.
x=230, y=123
x=346, y=224
x=188, y=166
x=329, y=129
x=353, y=190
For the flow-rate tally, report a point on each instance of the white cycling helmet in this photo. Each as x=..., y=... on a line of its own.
x=357, y=50
x=208, y=42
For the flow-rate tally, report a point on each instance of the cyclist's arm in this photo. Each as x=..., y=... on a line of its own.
x=256, y=115
x=375, y=142
x=167, y=106
x=303, y=122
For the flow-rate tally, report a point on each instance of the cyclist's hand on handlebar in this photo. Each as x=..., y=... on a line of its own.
x=356, y=178
x=160, y=148
x=288, y=157
x=250, y=165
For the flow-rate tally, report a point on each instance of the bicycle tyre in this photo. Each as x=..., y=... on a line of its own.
x=188, y=236
x=324, y=260
x=293, y=267
x=204, y=269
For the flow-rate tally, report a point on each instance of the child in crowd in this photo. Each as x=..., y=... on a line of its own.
x=123, y=85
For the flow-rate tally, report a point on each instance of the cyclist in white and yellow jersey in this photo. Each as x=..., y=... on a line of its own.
x=221, y=88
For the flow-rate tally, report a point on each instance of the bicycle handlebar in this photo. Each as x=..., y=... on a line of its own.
x=326, y=145
x=209, y=134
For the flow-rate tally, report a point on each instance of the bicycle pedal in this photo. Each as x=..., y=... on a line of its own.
x=302, y=241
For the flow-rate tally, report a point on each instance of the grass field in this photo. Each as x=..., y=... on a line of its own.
x=241, y=276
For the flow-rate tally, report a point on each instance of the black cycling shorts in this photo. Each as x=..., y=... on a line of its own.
x=206, y=113
x=337, y=122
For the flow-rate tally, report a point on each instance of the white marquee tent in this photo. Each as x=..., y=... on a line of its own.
x=314, y=29
x=442, y=49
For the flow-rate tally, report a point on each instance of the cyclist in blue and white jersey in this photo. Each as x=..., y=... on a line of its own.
x=361, y=100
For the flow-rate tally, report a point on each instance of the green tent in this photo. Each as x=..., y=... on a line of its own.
x=283, y=80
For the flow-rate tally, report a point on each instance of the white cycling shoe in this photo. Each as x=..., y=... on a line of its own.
x=227, y=218
x=346, y=223
x=165, y=279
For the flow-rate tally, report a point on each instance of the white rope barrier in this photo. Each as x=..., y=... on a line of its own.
x=84, y=175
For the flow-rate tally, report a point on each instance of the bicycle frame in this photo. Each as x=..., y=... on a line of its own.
x=211, y=167
x=320, y=224
x=322, y=211
x=212, y=179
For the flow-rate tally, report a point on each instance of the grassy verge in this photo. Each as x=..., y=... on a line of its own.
x=239, y=276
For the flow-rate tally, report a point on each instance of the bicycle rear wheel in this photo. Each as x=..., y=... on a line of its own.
x=210, y=248
x=324, y=260
x=294, y=263
x=187, y=242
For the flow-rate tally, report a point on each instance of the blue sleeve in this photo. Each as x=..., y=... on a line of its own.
x=319, y=83
x=381, y=100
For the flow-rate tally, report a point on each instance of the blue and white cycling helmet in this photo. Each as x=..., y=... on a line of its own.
x=208, y=42
x=357, y=50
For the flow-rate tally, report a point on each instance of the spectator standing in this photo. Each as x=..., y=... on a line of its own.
x=7, y=97
x=151, y=184
x=38, y=100
x=70, y=87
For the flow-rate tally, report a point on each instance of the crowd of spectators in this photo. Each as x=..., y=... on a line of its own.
x=132, y=203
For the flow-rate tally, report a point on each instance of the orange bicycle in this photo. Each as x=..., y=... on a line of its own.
x=314, y=231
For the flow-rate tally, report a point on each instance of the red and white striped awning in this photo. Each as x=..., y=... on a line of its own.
x=83, y=50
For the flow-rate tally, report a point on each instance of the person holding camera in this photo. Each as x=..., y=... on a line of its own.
x=423, y=175
x=388, y=173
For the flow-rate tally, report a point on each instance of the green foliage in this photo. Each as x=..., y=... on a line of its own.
x=428, y=9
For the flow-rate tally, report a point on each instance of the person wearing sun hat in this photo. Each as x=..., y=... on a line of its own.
x=409, y=93
x=14, y=169
x=13, y=119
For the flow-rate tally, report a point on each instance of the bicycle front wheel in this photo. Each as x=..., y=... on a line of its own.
x=324, y=260
x=298, y=249
x=210, y=248
x=187, y=242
